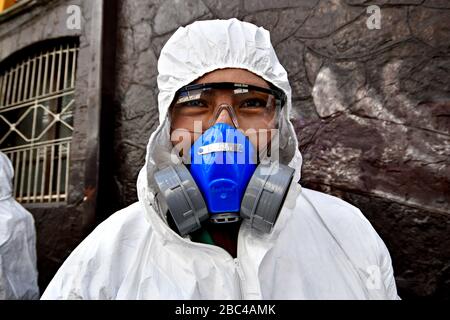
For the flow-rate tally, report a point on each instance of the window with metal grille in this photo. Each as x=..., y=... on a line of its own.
x=36, y=121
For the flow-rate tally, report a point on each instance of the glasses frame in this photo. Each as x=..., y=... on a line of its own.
x=276, y=92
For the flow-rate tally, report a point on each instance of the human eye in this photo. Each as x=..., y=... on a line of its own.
x=253, y=103
x=194, y=103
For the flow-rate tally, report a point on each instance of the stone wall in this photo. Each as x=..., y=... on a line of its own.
x=371, y=109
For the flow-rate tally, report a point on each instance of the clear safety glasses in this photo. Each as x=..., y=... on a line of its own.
x=197, y=107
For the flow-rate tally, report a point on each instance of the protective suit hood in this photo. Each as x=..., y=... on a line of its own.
x=190, y=53
x=6, y=175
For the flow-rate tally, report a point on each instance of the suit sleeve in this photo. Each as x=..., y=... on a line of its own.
x=387, y=271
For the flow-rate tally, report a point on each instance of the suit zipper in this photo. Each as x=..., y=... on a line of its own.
x=237, y=265
x=241, y=277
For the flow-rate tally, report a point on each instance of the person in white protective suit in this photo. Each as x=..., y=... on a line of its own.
x=200, y=231
x=18, y=273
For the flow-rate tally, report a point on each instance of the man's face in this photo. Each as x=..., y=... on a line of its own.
x=259, y=133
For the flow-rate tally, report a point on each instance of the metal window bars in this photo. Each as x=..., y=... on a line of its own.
x=36, y=122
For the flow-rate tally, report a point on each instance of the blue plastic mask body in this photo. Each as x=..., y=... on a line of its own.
x=222, y=176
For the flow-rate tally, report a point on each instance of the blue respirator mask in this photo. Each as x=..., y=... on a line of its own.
x=223, y=183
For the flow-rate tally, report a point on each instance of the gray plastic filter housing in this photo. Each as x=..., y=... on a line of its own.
x=265, y=195
x=182, y=197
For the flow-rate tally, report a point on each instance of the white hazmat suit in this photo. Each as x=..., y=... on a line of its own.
x=18, y=273
x=320, y=247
